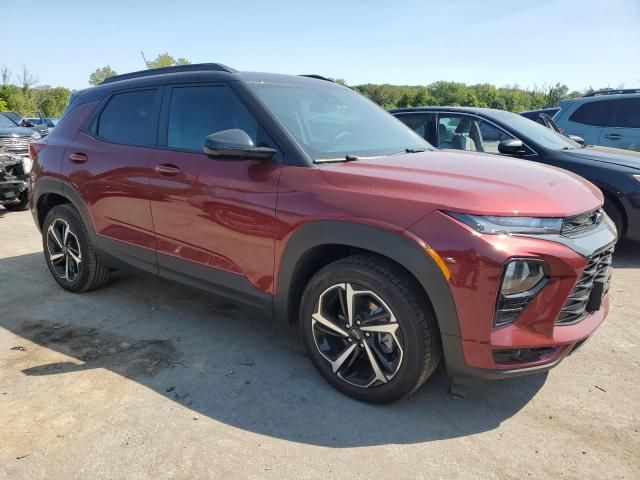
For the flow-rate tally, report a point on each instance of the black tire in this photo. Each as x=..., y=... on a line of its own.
x=397, y=290
x=616, y=216
x=21, y=206
x=91, y=272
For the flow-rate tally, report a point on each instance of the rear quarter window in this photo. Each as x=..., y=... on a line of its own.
x=130, y=118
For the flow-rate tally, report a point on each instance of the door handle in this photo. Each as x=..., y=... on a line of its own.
x=613, y=136
x=168, y=170
x=78, y=157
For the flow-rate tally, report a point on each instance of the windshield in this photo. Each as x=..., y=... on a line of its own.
x=543, y=136
x=5, y=122
x=332, y=122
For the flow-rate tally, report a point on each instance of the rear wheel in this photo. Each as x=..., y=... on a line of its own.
x=21, y=205
x=69, y=251
x=368, y=329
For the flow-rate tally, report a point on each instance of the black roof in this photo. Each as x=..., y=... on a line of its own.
x=192, y=73
x=478, y=110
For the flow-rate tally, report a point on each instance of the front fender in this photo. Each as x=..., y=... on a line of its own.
x=399, y=246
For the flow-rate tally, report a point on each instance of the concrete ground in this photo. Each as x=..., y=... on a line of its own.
x=148, y=379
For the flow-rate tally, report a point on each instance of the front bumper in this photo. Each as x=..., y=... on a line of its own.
x=10, y=190
x=476, y=262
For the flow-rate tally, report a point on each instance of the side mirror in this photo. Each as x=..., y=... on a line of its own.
x=28, y=124
x=235, y=144
x=577, y=139
x=512, y=146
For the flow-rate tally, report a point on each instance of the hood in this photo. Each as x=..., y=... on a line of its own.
x=615, y=156
x=15, y=132
x=469, y=183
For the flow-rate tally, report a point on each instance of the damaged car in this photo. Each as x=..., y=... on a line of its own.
x=14, y=181
x=15, y=164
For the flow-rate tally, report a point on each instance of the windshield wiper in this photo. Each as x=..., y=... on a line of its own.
x=346, y=158
x=409, y=150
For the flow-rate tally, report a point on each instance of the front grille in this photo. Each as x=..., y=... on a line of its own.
x=16, y=144
x=578, y=225
x=598, y=268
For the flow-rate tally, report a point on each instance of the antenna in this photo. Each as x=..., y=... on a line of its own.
x=145, y=60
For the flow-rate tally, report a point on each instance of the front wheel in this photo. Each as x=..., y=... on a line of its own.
x=369, y=330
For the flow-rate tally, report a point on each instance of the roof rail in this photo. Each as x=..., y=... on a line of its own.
x=318, y=77
x=192, y=67
x=612, y=91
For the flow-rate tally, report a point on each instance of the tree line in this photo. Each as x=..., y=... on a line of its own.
x=511, y=98
x=21, y=92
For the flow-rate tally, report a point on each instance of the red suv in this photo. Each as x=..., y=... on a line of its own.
x=299, y=196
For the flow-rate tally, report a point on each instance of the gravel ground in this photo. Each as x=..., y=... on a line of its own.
x=148, y=379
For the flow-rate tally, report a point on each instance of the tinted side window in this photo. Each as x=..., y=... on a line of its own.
x=196, y=112
x=129, y=118
x=598, y=114
x=421, y=123
x=627, y=113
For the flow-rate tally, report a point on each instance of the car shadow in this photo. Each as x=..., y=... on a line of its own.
x=229, y=363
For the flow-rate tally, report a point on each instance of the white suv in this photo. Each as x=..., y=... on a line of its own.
x=607, y=117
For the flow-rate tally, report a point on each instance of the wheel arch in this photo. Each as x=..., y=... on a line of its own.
x=318, y=243
x=613, y=199
x=50, y=192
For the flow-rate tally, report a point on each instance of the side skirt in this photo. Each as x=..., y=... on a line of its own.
x=231, y=286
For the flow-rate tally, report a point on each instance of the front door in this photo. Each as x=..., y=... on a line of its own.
x=213, y=218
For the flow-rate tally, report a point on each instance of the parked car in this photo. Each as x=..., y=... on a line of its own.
x=47, y=122
x=300, y=196
x=546, y=121
x=616, y=172
x=15, y=140
x=610, y=118
x=535, y=114
x=14, y=182
x=20, y=121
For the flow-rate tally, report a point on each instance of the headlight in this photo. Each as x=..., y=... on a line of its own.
x=504, y=225
x=35, y=135
x=522, y=280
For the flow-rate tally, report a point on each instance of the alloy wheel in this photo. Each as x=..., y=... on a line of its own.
x=64, y=252
x=358, y=334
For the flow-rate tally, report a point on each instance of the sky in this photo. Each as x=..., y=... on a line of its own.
x=580, y=43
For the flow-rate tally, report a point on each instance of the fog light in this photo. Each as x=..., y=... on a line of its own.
x=522, y=280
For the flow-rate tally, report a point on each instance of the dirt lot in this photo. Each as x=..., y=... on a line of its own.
x=147, y=379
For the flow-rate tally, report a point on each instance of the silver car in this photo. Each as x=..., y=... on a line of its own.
x=608, y=117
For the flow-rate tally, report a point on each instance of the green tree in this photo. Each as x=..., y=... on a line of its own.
x=52, y=101
x=166, y=60
x=97, y=77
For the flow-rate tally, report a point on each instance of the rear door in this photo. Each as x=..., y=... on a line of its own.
x=109, y=165
x=624, y=128
x=214, y=218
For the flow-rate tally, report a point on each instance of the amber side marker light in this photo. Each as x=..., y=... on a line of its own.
x=438, y=259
